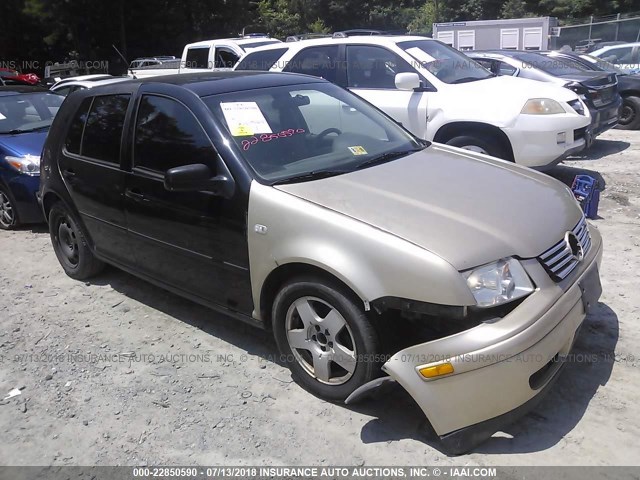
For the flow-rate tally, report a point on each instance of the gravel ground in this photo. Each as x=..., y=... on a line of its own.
x=119, y=372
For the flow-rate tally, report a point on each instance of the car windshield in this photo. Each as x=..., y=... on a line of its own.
x=303, y=132
x=552, y=65
x=603, y=65
x=28, y=112
x=446, y=63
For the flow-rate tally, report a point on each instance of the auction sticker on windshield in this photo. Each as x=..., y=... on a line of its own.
x=358, y=150
x=244, y=118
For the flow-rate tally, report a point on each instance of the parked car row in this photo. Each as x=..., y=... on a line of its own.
x=289, y=201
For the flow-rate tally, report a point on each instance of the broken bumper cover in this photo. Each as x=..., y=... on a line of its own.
x=500, y=369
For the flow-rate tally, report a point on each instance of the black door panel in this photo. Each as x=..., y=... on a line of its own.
x=193, y=241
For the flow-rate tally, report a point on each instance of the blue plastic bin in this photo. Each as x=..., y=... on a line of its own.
x=585, y=189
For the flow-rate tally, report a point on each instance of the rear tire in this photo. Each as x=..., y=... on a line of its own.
x=489, y=146
x=70, y=244
x=629, y=114
x=8, y=213
x=324, y=337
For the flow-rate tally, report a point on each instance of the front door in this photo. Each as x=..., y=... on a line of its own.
x=371, y=72
x=193, y=241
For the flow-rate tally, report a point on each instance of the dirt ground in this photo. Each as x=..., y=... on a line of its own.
x=119, y=372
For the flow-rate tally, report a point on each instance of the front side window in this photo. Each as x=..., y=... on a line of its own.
x=167, y=135
x=28, y=112
x=445, y=63
x=197, y=57
x=103, y=129
x=317, y=61
x=307, y=130
x=225, y=58
x=373, y=67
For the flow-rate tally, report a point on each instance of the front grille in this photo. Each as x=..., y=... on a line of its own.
x=559, y=261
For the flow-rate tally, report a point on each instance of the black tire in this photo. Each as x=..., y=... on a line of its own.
x=629, y=114
x=359, y=332
x=70, y=244
x=491, y=145
x=8, y=213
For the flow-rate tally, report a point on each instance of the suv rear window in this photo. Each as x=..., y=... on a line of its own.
x=261, y=61
x=103, y=130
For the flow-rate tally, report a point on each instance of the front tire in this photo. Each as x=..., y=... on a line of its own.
x=8, y=212
x=324, y=337
x=489, y=146
x=630, y=114
x=70, y=244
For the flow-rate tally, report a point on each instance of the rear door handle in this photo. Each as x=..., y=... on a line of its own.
x=69, y=172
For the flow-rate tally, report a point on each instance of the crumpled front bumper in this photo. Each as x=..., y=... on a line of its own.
x=501, y=369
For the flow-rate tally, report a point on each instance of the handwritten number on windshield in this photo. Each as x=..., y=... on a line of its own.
x=267, y=137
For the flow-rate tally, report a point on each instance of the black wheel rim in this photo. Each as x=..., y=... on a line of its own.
x=7, y=215
x=626, y=114
x=67, y=242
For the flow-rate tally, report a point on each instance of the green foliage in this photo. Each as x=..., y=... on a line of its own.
x=49, y=30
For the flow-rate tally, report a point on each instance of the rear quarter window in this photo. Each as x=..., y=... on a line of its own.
x=261, y=61
x=74, y=135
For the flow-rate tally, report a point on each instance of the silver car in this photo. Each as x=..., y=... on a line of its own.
x=373, y=256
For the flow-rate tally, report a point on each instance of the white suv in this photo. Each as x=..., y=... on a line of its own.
x=440, y=94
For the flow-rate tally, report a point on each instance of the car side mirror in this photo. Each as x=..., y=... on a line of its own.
x=198, y=177
x=407, y=81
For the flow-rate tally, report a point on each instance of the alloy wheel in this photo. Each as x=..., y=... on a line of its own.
x=7, y=215
x=321, y=340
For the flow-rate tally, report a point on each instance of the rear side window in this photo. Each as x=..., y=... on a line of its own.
x=317, y=61
x=74, y=136
x=261, y=61
x=103, y=130
x=168, y=135
x=197, y=58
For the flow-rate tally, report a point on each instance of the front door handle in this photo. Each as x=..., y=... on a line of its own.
x=135, y=194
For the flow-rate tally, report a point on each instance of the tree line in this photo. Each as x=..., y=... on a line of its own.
x=54, y=30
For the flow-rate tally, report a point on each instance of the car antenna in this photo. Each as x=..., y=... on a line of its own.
x=126, y=62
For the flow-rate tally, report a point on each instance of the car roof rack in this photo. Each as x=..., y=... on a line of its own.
x=306, y=36
x=366, y=32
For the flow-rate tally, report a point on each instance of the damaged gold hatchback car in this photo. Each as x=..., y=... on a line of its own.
x=374, y=256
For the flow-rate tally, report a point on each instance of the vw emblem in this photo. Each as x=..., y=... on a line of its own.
x=574, y=245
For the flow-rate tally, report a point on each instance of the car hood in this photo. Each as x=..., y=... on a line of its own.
x=467, y=208
x=513, y=88
x=22, y=144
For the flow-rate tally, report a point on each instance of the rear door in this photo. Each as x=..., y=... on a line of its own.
x=192, y=241
x=90, y=168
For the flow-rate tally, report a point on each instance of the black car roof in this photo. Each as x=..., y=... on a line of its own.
x=212, y=83
x=18, y=89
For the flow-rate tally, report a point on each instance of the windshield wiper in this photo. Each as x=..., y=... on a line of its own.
x=25, y=130
x=470, y=79
x=386, y=157
x=314, y=175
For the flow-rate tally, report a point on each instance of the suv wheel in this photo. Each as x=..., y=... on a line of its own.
x=8, y=213
x=325, y=338
x=489, y=146
x=630, y=114
x=70, y=244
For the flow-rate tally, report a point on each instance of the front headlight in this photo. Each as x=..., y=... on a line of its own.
x=542, y=106
x=499, y=282
x=29, y=164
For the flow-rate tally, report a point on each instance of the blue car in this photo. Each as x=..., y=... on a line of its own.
x=26, y=114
